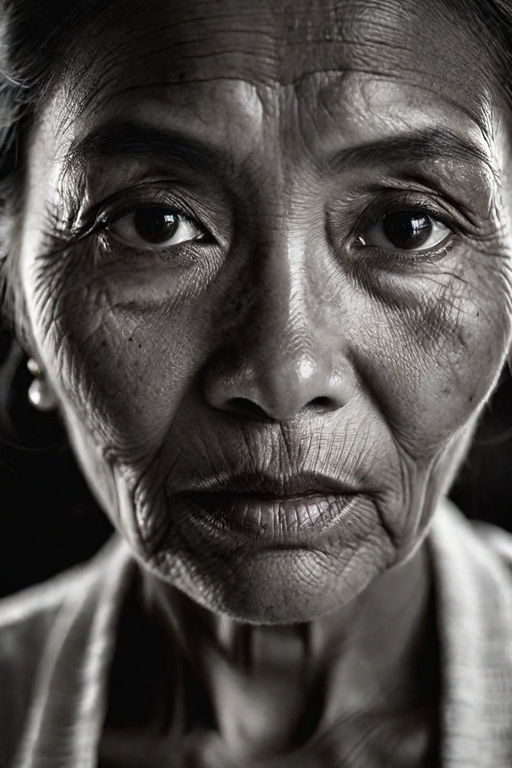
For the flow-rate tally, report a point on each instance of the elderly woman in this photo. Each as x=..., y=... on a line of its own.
x=259, y=258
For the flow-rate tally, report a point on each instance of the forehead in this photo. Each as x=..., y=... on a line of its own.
x=319, y=70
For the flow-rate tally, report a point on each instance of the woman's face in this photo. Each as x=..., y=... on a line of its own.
x=265, y=258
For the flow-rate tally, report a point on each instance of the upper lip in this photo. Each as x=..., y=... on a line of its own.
x=272, y=486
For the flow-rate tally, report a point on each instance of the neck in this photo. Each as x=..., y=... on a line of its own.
x=268, y=683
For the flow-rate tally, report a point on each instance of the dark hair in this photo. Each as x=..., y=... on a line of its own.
x=36, y=40
x=42, y=490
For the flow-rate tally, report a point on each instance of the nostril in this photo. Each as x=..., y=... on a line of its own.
x=321, y=404
x=246, y=407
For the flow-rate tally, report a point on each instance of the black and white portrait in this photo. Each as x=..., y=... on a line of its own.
x=256, y=298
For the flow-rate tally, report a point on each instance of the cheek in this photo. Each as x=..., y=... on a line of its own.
x=121, y=362
x=442, y=341
x=119, y=356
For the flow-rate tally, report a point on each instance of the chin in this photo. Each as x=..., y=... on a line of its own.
x=283, y=576
x=278, y=586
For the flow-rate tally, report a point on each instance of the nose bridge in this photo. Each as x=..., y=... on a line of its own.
x=287, y=350
x=285, y=328
x=280, y=359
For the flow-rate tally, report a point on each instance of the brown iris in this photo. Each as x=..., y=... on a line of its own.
x=407, y=229
x=155, y=225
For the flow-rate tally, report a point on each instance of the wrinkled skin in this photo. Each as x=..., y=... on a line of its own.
x=282, y=344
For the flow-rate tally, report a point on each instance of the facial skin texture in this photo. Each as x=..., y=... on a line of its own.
x=280, y=346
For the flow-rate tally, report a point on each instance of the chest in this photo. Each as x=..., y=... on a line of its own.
x=407, y=741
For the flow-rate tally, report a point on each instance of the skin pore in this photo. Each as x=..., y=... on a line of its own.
x=280, y=346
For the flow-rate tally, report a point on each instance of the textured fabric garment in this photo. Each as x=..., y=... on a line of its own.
x=57, y=641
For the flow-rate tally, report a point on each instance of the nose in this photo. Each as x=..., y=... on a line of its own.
x=282, y=360
x=275, y=388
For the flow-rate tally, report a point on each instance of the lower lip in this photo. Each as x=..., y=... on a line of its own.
x=277, y=520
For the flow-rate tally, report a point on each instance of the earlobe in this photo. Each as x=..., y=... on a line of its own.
x=40, y=392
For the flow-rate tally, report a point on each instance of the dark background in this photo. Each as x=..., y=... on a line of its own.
x=49, y=520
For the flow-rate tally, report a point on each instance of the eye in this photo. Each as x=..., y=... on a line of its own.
x=410, y=230
x=155, y=226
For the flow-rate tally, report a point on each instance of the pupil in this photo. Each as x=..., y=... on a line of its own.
x=407, y=229
x=156, y=225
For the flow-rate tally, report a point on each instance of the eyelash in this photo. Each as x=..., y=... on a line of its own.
x=375, y=214
x=106, y=220
x=105, y=215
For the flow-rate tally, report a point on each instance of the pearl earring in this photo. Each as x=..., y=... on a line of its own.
x=40, y=393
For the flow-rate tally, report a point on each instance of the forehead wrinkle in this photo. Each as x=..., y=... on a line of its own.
x=368, y=50
x=100, y=97
x=334, y=93
x=400, y=147
x=345, y=35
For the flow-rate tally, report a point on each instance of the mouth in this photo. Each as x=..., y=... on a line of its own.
x=282, y=511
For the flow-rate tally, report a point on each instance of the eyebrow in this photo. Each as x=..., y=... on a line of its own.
x=413, y=147
x=126, y=138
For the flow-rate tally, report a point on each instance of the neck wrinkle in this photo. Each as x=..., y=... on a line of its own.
x=264, y=681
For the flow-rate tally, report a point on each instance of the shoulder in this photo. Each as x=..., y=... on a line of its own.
x=472, y=570
x=39, y=604
x=498, y=541
x=473, y=567
x=476, y=541
x=36, y=608
x=28, y=618
x=37, y=623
